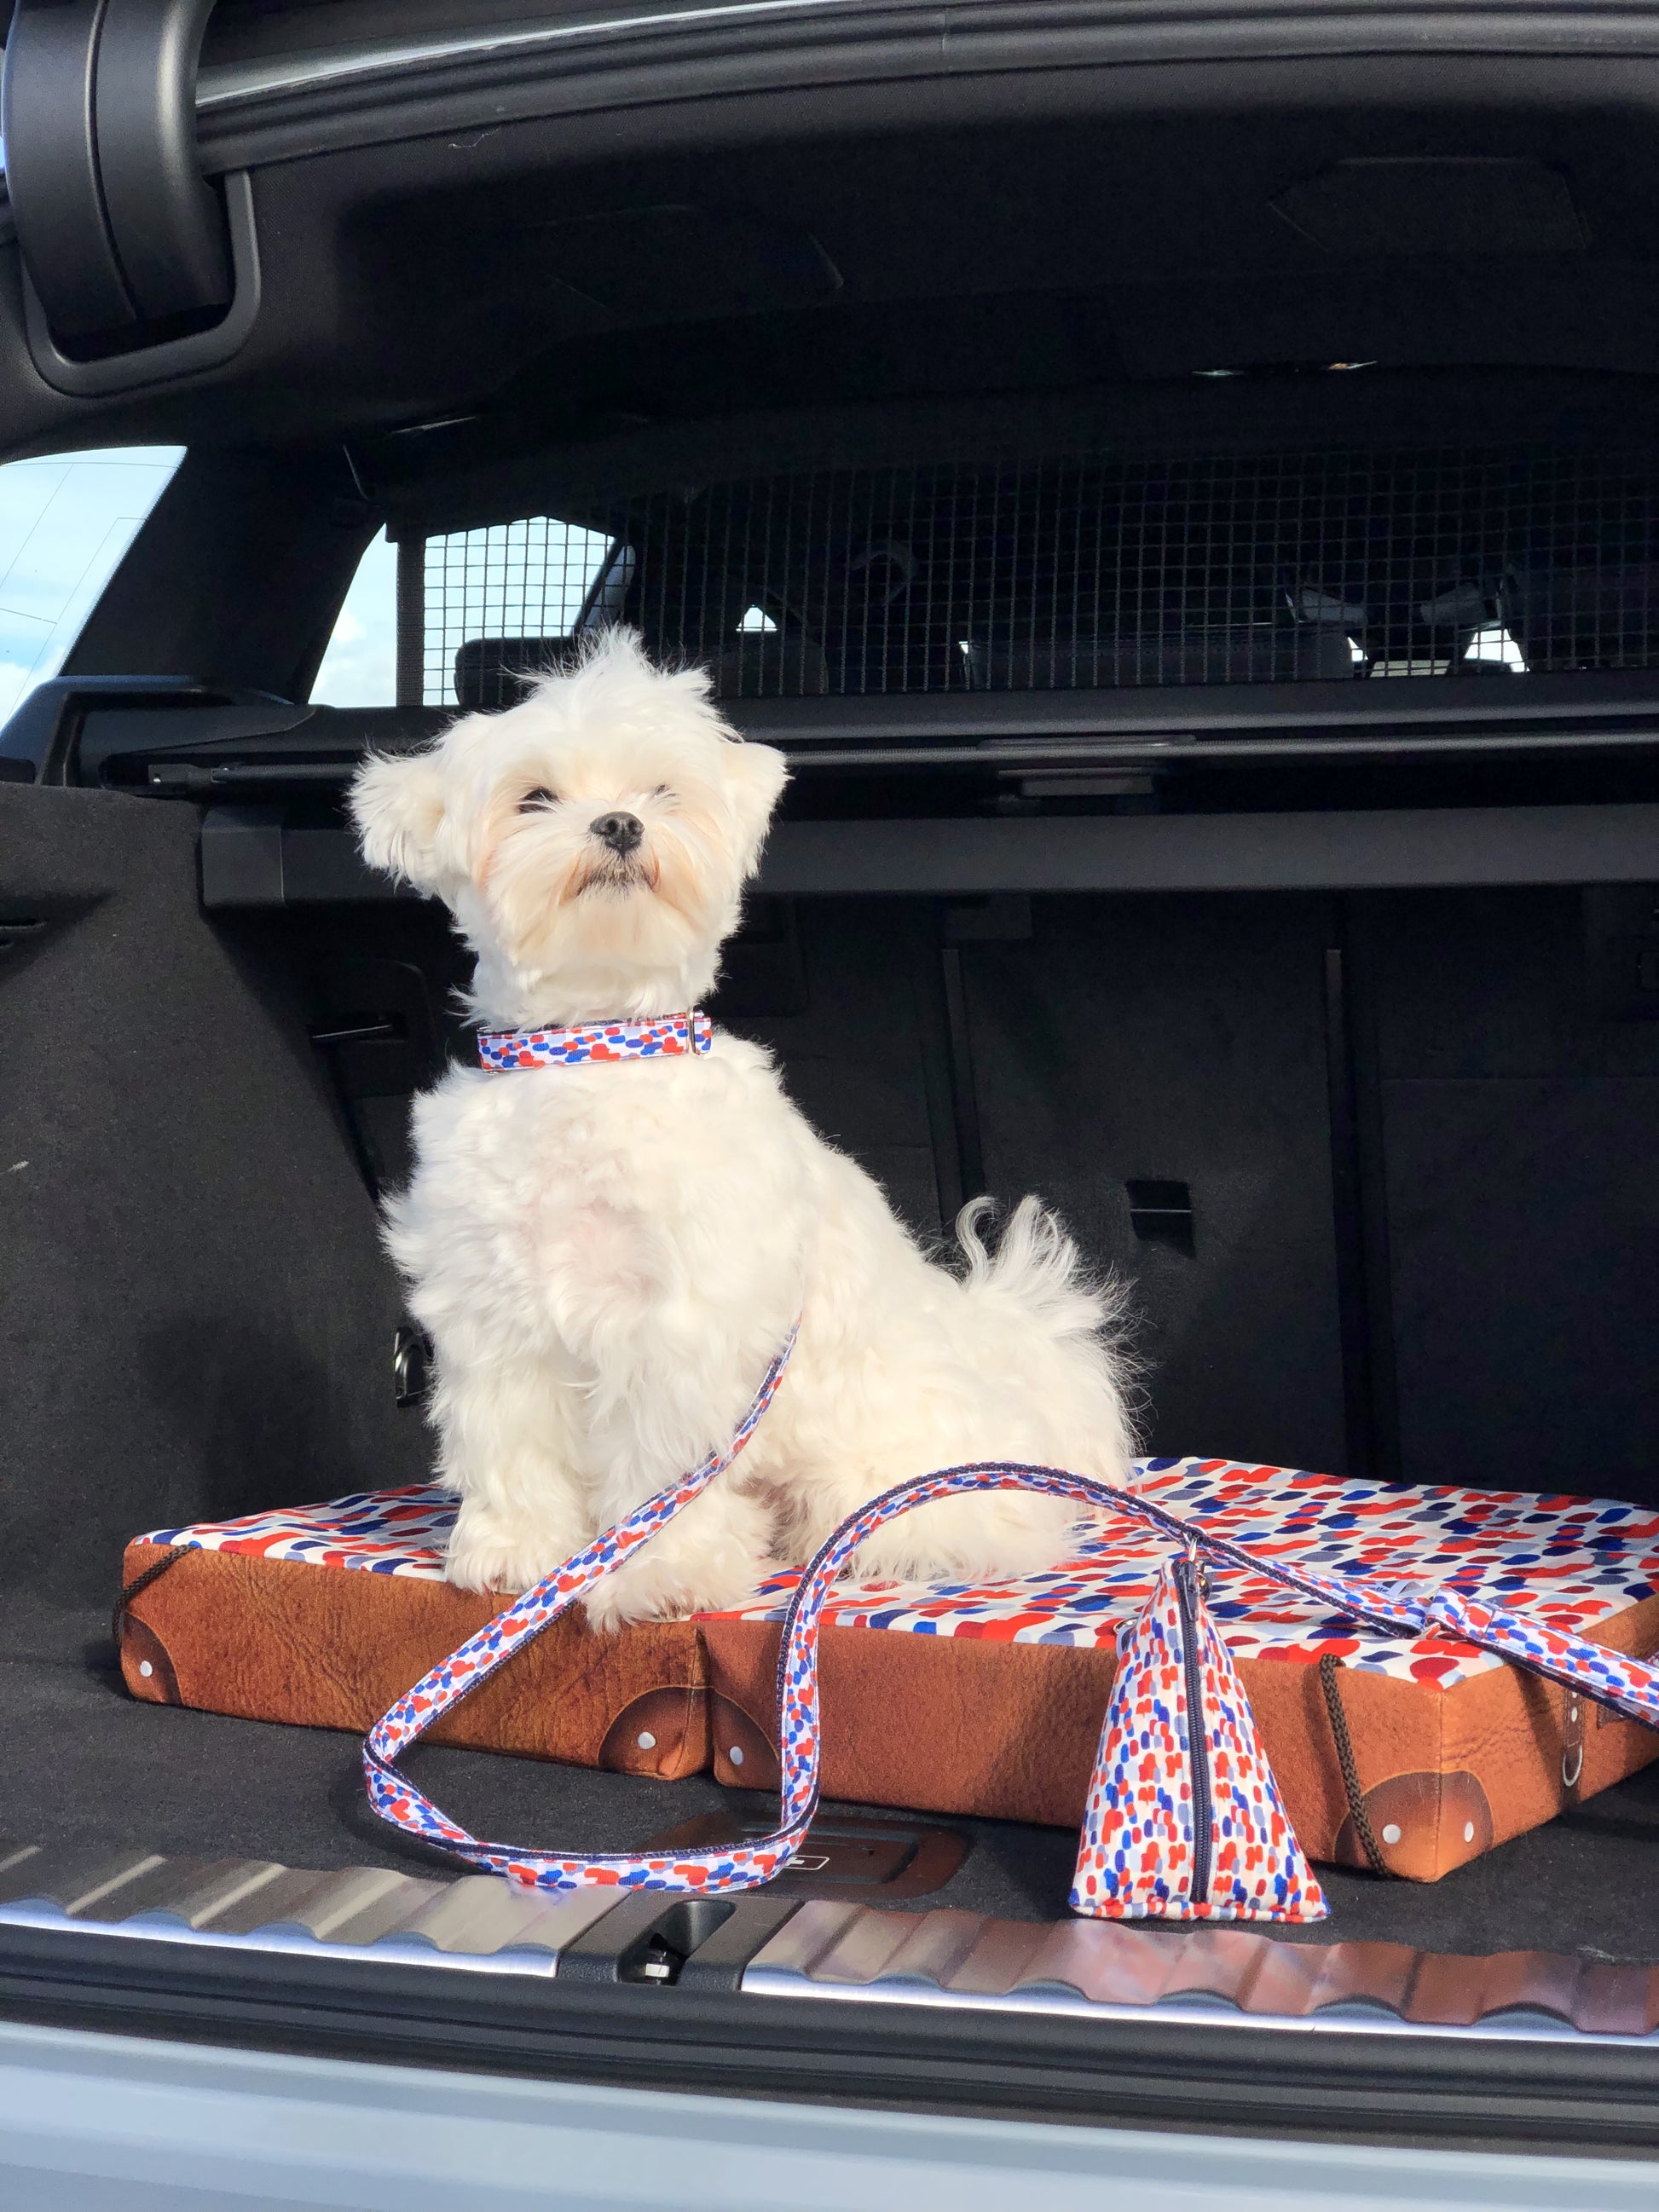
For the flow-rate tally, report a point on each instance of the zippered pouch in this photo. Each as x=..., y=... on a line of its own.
x=1184, y=1819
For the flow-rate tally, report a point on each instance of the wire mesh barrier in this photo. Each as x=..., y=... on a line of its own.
x=493, y=597
x=1080, y=574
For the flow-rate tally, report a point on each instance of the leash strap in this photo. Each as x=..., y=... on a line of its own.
x=397, y=1800
x=1626, y=1684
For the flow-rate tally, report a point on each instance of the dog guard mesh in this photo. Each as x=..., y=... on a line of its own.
x=1080, y=574
x=510, y=583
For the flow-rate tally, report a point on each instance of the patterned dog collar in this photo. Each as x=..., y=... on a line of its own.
x=671, y=1036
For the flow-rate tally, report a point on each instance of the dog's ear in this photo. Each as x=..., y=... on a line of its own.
x=756, y=776
x=398, y=808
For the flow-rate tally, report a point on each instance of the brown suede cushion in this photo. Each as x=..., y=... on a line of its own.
x=947, y=1724
x=936, y=1723
x=275, y=1640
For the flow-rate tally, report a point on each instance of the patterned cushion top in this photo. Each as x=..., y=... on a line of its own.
x=1570, y=1562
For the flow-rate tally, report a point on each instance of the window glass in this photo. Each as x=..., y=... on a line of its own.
x=64, y=523
x=360, y=668
x=1493, y=642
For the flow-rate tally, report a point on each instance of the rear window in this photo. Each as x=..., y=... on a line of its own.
x=64, y=523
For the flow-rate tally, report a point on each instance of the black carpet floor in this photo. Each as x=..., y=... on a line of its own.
x=86, y=1764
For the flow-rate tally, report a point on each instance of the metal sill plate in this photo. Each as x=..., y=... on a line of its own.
x=844, y=1952
x=1110, y=1971
x=476, y=1922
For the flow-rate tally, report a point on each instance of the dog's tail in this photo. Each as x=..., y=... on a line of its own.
x=1037, y=1266
x=1037, y=1272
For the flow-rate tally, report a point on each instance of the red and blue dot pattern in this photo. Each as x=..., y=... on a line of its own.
x=1140, y=1852
x=671, y=1036
x=1568, y=1563
x=377, y=1531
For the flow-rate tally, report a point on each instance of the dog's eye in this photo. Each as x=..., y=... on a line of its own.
x=533, y=801
x=662, y=792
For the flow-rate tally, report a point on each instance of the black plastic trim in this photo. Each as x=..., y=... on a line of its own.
x=41, y=737
x=173, y=357
x=330, y=100
x=1388, y=848
x=1420, y=720
x=166, y=224
x=257, y=856
x=118, y=229
x=48, y=119
x=702, y=1944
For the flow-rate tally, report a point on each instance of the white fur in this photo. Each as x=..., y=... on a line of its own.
x=608, y=1256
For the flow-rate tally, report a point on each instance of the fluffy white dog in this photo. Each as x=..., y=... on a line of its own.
x=608, y=1256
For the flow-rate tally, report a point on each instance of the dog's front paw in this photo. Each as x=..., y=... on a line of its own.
x=488, y=1552
x=643, y=1590
x=666, y=1588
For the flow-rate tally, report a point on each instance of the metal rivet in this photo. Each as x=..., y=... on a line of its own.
x=736, y=1754
x=1391, y=1834
x=1573, y=1713
x=145, y=1669
x=646, y=1741
x=1468, y=1831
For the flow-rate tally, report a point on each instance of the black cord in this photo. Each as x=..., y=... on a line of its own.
x=1329, y=1665
x=159, y=1567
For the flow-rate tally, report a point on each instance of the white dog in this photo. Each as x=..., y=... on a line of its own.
x=608, y=1256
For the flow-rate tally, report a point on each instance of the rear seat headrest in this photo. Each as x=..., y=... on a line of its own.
x=492, y=671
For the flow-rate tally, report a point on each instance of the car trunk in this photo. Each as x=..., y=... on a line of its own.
x=231, y=1349
x=1212, y=810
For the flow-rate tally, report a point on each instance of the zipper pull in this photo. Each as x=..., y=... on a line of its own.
x=1197, y=1565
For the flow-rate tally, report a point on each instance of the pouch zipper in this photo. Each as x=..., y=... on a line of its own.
x=1198, y=1742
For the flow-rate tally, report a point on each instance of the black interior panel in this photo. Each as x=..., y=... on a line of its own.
x=1523, y=1218
x=862, y=1057
x=1519, y=1121
x=1164, y=1039
x=195, y=1317
x=199, y=1275
x=1000, y=227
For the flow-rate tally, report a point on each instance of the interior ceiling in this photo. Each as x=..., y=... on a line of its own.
x=1148, y=249
x=1039, y=259
x=553, y=303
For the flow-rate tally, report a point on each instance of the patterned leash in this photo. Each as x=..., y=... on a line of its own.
x=395, y=1799
x=1138, y=1726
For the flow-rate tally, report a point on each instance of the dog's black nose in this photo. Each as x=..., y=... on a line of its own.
x=622, y=832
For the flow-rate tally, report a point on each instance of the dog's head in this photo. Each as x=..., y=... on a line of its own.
x=592, y=842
